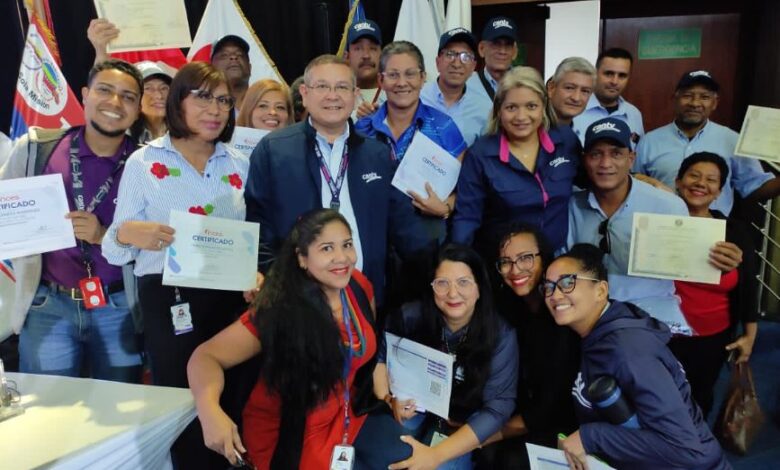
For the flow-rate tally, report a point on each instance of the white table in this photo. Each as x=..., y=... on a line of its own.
x=74, y=423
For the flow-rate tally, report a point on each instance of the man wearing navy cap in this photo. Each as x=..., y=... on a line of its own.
x=231, y=55
x=661, y=151
x=364, y=44
x=603, y=216
x=498, y=47
x=468, y=106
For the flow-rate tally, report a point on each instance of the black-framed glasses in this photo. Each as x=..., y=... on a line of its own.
x=605, y=244
x=565, y=284
x=204, y=98
x=463, y=285
x=523, y=262
x=464, y=56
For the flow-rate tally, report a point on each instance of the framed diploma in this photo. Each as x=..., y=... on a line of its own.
x=146, y=24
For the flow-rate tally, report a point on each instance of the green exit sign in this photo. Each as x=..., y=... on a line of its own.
x=670, y=44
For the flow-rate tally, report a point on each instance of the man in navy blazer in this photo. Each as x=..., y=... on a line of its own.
x=323, y=162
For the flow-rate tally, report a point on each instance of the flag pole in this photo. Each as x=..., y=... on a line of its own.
x=350, y=17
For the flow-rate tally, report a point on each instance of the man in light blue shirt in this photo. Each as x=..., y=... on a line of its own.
x=498, y=47
x=467, y=106
x=603, y=216
x=661, y=151
x=613, y=69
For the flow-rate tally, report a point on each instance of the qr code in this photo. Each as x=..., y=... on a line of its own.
x=435, y=388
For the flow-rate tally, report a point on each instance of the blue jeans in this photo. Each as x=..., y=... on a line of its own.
x=59, y=334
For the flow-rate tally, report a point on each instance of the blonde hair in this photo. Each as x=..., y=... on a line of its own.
x=255, y=93
x=521, y=77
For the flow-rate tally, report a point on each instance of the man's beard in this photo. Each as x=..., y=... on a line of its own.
x=105, y=132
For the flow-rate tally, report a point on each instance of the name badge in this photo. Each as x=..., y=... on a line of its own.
x=92, y=292
x=343, y=457
x=182, y=319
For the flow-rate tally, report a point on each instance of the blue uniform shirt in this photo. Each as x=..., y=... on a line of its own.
x=470, y=112
x=595, y=111
x=660, y=153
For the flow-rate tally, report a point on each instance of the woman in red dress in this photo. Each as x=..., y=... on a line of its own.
x=312, y=325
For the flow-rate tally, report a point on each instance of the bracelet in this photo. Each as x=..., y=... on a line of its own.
x=114, y=234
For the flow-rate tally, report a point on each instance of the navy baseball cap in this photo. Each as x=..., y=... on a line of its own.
x=364, y=29
x=458, y=35
x=698, y=77
x=230, y=39
x=499, y=27
x=611, y=129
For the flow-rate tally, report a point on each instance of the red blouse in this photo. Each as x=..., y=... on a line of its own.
x=706, y=306
x=325, y=424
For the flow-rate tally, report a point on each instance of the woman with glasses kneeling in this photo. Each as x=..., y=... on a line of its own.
x=456, y=316
x=631, y=395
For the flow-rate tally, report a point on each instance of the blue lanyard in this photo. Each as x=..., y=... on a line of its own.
x=347, y=362
x=333, y=184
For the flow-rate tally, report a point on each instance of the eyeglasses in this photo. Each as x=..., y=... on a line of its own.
x=463, y=285
x=341, y=89
x=465, y=57
x=410, y=75
x=565, y=284
x=203, y=99
x=605, y=244
x=107, y=92
x=523, y=262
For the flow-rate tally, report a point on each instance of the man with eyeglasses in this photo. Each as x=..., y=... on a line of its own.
x=660, y=152
x=603, y=216
x=467, y=106
x=498, y=47
x=323, y=162
x=71, y=308
x=230, y=55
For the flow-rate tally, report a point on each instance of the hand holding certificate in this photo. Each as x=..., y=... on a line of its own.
x=425, y=161
x=419, y=372
x=32, y=216
x=211, y=253
x=674, y=247
x=146, y=24
x=760, y=134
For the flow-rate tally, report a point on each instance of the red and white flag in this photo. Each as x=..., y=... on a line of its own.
x=43, y=97
x=223, y=17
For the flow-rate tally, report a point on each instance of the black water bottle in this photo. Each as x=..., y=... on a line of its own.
x=612, y=405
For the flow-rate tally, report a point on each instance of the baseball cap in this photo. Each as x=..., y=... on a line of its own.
x=161, y=70
x=458, y=35
x=612, y=129
x=499, y=27
x=230, y=39
x=698, y=77
x=363, y=29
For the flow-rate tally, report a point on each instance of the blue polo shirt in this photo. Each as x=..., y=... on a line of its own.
x=434, y=124
x=470, y=112
x=656, y=296
x=493, y=193
x=476, y=84
x=595, y=111
x=660, y=153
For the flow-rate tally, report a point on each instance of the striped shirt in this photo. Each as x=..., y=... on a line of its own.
x=157, y=179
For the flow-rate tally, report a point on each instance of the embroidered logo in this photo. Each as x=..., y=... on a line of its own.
x=501, y=24
x=578, y=391
x=700, y=73
x=458, y=31
x=363, y=26
x=369, y=177
x=558, y=161
x=607, y=126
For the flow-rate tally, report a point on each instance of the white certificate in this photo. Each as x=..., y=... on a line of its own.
x=760, y=134
x=211, y=253
x=245, y=139
x=425, y=161
x=421, y=373
x=32, y=216
x=146, y=24
x=546, y=458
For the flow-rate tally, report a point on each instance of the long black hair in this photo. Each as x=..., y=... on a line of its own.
x=301, y=359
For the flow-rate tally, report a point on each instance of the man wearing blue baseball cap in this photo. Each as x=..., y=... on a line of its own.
x=498, y=47
x=603, y=216
x=230, y=54
x=364, y=44
x=469, y=107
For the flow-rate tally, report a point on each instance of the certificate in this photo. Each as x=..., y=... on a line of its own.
x=146, y=24
x=546, y=458
x=211, y=253
x=245, y=139
x=760, y=134
x=421, y=373
x=32, y=216
x=674, y=247
x=425, y=161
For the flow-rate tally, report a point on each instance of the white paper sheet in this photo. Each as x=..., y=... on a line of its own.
x=425, y=161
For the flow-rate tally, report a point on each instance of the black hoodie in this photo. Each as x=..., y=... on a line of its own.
x=630, y=346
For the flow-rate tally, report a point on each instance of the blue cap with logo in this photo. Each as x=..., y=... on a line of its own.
x=364, y=29
x=458, y=35
x=612, y=129
x=499, y=27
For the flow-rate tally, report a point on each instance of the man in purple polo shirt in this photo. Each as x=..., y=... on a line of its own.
x=62, y=328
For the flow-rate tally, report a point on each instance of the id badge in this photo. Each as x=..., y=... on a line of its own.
x=343, y=457
x=92, y=292
x=182, y=320
x=437, y=437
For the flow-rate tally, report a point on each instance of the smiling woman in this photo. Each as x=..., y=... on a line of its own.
x=267, y=105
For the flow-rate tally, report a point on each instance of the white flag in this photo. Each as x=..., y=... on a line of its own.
x=458, y=15
x=223, y=17
x=417, y=23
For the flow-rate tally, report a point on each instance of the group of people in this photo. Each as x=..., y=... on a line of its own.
x=521, y=273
